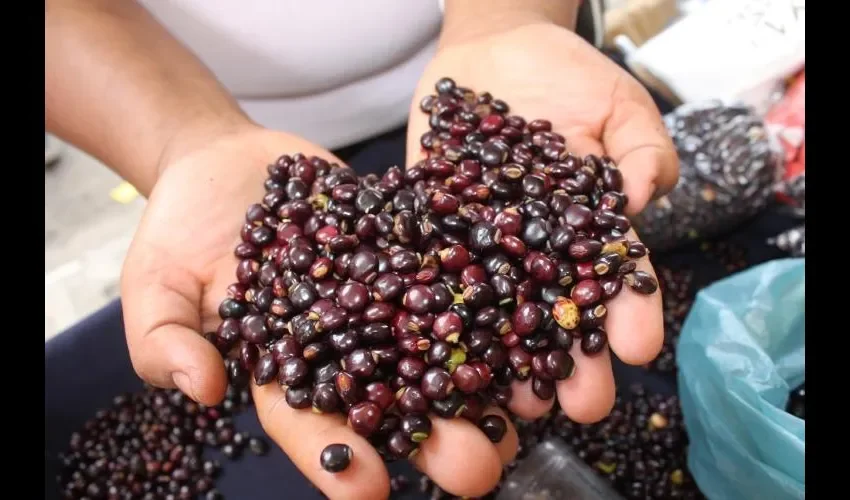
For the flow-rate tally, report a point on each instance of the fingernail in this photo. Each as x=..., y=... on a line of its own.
x=184, y=383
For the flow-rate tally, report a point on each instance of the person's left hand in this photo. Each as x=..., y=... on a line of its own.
x=544, y=71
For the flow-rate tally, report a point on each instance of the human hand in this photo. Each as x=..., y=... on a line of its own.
x=544, y=71
x=176, y=275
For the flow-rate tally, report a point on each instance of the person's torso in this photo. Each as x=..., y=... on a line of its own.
x=334, y=71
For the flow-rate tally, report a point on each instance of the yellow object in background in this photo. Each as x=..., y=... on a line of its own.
x=124, y=193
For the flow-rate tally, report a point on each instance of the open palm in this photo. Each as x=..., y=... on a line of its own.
x=181, y=260
x=176, y=275
x=544, y=71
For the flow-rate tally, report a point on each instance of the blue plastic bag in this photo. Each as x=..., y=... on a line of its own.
x=742, y=350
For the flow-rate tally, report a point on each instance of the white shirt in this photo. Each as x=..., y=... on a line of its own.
x=332, y=71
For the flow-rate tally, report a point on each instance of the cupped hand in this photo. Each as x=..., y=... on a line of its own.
x=175, y=276
x=545, y=71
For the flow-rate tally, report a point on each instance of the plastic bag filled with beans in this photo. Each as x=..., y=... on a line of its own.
x=792, y=241
x=727, y=175
x=793, y=194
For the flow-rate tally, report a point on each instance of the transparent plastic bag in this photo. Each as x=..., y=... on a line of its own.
x=741, y=352
x=553, y=472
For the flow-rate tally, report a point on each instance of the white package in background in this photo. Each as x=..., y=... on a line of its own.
x=736, y=51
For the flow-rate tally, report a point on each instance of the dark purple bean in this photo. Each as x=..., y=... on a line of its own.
x=416, y=428
x=454, y=258
x=298, y=398
x=495, y=356
x=520, y=363
x=535, y=232
x=254, y=330
x=336, y=457
x=484, y=236
x=379, y=312
x=526, y=319
x=611, y=286
x=559, y=364
x=324, y=398
x=359, y=363
x=343, y=341
x=593, y=317
x=375, y=333
x=450, y=407
x=641, y=282
x=466, y=378
x=302, y=296
x=294, y=372
x=265, y=369
x=479, y=296
x=543, y=389
x=593, y=342
x=352, y=296
x=411, y=400
x=363, y=267
x=478, y=341
x=494, y=427
x=636, y=250
x=412, y=368
x=436, y=383
x=386, y=355
x=622, y=223
x=584, y=249
x=438, y=353
x=447, y=327
x=326, y=372
x=586, y=293
x=387, y=287
x=401, y=447
x=332, y=319
x=405, y=261
x=419, y=299
x=365, y=418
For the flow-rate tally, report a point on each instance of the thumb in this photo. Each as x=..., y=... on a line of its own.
x=636, y=139
x=162, y=319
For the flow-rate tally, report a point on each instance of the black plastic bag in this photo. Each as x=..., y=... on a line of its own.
x=727, y=175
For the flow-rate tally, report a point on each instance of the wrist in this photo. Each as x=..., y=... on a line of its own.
x=465, y=20
x=200, y=133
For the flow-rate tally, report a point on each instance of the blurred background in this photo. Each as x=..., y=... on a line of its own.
x=90, y=215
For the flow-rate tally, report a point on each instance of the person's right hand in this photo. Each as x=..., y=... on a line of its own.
x=175, y=276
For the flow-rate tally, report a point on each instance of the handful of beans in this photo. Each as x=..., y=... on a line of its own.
x=427, y=291
x=393, y=300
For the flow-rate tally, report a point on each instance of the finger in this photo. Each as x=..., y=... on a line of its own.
x=162, y=323
x=635, y=322
x=509, y=445
x=303, y=435
x=525, y=404
x=634, y=136
x=454, y=442
x=581, y=143
x=588, y=396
